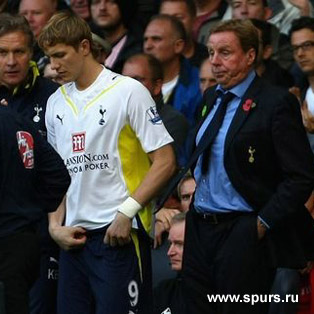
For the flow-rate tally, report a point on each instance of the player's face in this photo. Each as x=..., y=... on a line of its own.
x=176, y=239
x=230, y=64
x=302, y=42
x=15, y=55
x=67, y=61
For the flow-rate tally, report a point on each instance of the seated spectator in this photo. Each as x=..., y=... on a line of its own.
x=208, y=14
x=266, y=67
x=112, y=19
x=206, y=76
x=147, y=69
x=81, y=8
x=185, y=11
x=168, y=295
x=259, y=9
x=164, y=38
x=38, y=13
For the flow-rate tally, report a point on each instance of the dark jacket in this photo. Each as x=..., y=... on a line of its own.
x=33, y=177
x=281, y=177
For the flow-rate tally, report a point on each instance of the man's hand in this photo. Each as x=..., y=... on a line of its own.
x=162, y=223
x=261, y=229
x=307, y=117
x=3, y=102
x=118, y=232
x=68, y=237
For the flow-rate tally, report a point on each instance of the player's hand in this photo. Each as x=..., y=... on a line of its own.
x=118, y=232
x=261, y=230
x=68, y=237
x=162, y=223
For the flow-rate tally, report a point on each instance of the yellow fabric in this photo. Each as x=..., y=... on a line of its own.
x=136, y=243
x=135, y=164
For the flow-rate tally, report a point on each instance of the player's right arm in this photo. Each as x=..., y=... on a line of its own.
x=66, y=237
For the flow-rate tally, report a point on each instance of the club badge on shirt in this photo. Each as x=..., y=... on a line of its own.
x=37, y=109
x=25, y=144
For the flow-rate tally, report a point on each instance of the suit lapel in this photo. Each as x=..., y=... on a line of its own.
x=242, y=114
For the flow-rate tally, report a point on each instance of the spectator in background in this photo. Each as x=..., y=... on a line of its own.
x=259, y=9
x=81, y=8
x=168, y=295
x=147, y=70
x=114, y=21
x=266, y=67
x=208, y=13
x=38, y=13
x=186, y=189
x=185, y=11
x=164, y=38
x=207, y=78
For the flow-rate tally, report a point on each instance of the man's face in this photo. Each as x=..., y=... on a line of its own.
x=161, y=42
x=105, y=13
x=179, y=10
x=139, y=70
x=302, y=42
x=230, y=64
x=81, y=8
x=187, y=190
x=37, y=13
x=243, y=9
x=15, y=55
x=176, y=239
x=206, y=76
x=66, y=61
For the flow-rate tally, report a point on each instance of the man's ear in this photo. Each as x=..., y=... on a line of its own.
x=251, y=56
x=268, y=13
x=85, y=47
x=179, y=46
x=267, y=52
x=157, y=87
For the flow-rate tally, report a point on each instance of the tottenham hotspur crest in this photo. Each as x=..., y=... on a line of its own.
x=102, y=112
x=37, y=109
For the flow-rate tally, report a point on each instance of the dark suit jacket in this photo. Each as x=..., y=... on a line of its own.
x=281, y=177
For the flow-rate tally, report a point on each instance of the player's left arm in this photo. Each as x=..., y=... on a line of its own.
x=162, y=168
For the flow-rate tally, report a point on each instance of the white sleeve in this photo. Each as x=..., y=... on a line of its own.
x=144, y=118
x=49, y=119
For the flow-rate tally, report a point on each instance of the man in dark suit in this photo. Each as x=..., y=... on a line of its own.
x=252, y=180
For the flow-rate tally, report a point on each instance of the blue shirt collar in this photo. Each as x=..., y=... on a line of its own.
x=241, y=88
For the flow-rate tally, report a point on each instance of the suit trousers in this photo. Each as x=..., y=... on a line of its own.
x=19, y=268
x=225, y=258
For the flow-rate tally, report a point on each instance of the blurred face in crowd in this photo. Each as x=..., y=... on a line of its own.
x=139, y=70
x=176, y=239
x=161, y=42
x=15, y=55
x=67, y=61
x=206, y=76
x=302, y=42
x=187, y=190
x=37, y=13
x=179, y=10
x=105, y=13
x=230, y=64
x=81, y=8
x=243, y=9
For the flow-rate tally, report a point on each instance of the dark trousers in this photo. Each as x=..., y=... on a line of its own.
x=19, y=268
x=224, y=258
